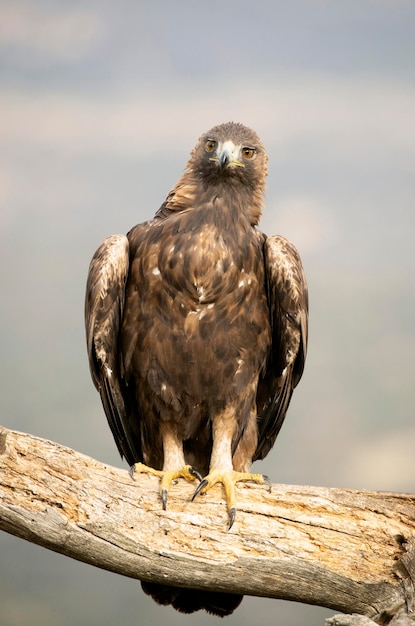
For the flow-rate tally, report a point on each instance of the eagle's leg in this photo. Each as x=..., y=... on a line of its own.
x=222, y=465
x=174, y=465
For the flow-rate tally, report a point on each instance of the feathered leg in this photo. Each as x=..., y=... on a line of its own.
x=221, y=468
x=174, y=465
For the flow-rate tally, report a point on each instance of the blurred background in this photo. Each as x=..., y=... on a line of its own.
x=100, y=104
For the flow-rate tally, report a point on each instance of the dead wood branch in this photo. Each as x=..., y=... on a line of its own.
x=348, y=550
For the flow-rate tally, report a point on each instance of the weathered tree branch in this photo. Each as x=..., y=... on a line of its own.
x=348, y=550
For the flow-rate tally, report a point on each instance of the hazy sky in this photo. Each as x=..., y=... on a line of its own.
x=100, y=104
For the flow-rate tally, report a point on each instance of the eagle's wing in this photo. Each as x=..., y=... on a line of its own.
x=104, y=303
x=288, y=303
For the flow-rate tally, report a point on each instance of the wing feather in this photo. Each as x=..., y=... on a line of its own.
x=104, y=304
x=288, y=303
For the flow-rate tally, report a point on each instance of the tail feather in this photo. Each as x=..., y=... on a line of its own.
x=191, y=600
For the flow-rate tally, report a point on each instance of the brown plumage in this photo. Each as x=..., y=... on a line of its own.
x=197, y=331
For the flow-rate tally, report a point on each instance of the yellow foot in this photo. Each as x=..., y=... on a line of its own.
x=229, y=478
x=167, y=476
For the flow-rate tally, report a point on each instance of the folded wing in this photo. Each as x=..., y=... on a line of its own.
x=104, y=304
x=288, y=302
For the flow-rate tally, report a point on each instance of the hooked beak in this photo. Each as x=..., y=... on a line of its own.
x=225, y=157
x=228, y=156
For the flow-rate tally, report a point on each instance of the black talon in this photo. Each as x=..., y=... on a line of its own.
x=232, y=515
x=267, y=481
x=164, y=498
x=131, y=471
x=199, y=488
x=195, y=473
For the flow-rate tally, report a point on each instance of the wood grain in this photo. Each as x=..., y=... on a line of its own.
x=352, y=551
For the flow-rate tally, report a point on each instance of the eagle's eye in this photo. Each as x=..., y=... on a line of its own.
x=248, y=153
x=210, y=145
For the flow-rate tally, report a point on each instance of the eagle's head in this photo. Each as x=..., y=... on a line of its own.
x=228, y=162
x=230, y=152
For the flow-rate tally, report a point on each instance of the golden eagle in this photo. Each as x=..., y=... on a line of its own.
x=196, y=327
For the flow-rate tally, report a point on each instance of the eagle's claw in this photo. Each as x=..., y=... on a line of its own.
x=167, y=477
x=229, y=478
x=164, y=498
x=195, y=473
x=232, y=515
x=203, y=483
